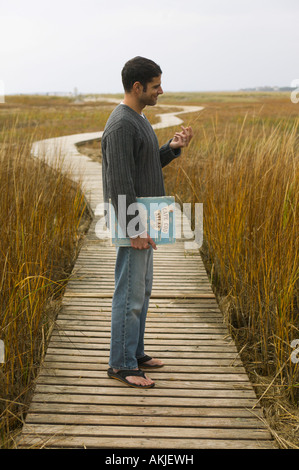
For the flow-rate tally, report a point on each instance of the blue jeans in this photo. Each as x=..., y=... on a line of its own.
x=133, y=285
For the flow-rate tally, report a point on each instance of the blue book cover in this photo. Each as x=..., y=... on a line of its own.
x=157, y=215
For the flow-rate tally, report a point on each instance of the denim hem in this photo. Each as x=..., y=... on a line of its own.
x=123, y=368
x=140, y=357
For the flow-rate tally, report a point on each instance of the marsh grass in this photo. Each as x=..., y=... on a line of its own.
x=42, y=214
x=50, y=120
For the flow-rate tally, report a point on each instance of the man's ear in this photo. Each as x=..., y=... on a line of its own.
x=137, y=88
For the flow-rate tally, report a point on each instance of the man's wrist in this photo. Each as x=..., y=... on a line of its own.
x=176, y=150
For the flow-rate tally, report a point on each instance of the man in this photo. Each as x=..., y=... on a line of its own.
x=132, y=167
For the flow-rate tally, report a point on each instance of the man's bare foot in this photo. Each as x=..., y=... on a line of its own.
x=138, y=380
x=148, y=361
x=153, y=363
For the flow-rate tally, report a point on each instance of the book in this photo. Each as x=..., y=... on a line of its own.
x=157, y=215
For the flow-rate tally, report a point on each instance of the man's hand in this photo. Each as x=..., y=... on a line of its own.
x=143, y=242
x=181, y=139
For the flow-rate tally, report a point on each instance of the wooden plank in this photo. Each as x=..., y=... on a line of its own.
x=161, y=343
x=188, y=346
x=93, y=350
x=170, y=364
x=165, y=384
x=158, y=310
x=151, y=325
x=169, y=342
x=144, y=400
x=235, y=414
x=154, y=319
x=168, y=295
x=162, y=338
x=93, y=363
x=58, y=369
x=91, y=325
x=148, y=431
x=189, y=302
x=134, y=419
x=127, y=391
x=38, y=440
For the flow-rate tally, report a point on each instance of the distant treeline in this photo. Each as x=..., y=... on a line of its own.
x=269, y=88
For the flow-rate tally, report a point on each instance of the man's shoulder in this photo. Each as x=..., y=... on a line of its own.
x=122, y=117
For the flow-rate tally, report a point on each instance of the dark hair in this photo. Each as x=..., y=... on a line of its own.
x=140, y=70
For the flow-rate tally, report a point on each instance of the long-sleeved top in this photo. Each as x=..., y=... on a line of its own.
x=132, y=161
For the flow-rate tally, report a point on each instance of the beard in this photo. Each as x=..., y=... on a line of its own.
x=149, y=100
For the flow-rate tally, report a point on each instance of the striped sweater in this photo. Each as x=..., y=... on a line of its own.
x=132, y=161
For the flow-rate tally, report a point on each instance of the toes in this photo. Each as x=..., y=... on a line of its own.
x=139, y=380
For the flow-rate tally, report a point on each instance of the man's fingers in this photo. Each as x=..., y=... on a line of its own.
x=182, y=139
x=151, y=242
x=187, y=132
x=191, y=132
x=143, y=242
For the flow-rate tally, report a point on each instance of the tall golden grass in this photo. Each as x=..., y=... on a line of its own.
x=40, y=211
x=244, y=168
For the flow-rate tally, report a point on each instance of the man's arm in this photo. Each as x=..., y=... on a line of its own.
x=119, y=146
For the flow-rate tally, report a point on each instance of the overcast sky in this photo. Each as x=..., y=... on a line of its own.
x=201, y=45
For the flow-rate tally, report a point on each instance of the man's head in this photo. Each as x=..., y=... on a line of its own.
x=140, y=70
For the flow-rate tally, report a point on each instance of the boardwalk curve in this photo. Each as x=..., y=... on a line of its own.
x=203, y=397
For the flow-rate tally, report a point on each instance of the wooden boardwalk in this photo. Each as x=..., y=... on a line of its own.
x=203, y=398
